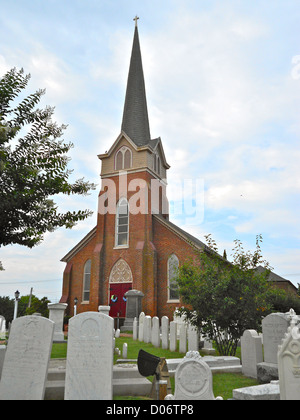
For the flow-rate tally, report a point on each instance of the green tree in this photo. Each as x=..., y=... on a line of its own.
x=224, y=299
x=33, y=166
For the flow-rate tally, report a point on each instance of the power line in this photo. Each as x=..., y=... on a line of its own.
x=29, y=281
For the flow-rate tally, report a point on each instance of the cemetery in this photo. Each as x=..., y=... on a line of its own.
x=158, y=359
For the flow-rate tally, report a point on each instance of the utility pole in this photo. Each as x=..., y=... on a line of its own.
x=30, y=296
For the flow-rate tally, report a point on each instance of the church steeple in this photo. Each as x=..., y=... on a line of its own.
x=135, y=121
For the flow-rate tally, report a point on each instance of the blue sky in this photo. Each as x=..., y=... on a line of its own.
x=223, y=89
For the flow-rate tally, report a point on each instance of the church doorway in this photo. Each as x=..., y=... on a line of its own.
x=120, y=281
x=117, y=300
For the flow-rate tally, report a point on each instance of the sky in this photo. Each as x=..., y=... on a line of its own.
x=223, y=89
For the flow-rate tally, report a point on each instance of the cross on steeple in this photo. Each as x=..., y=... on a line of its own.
x=136, y=19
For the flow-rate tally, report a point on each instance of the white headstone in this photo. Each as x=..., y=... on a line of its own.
x=274, y=327
x=193, y=379
x=117, y=333
x=56, y=314
x=135, y=330
x=147, y=329
x=125, y=350
x=251, y=351
x=89, y=357
x=165, y=332
x=193, y=338
x=27, y=358
x=141, y=326
x=182, y=338
x=173, y=336
x=289, y=361
x=155, y=335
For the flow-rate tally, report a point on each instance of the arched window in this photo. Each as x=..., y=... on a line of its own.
x=122, y=223
x=87, y=281
x=123, y=159
x=173, y=264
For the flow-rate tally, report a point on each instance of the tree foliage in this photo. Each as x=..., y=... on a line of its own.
x=33, y=166
x=224, y=299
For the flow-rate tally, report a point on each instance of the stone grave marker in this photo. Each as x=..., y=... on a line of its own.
x=251, y=351
x=141, y=326
x=289, y=361
x=147, y=329
x=89, y=357
x=56, y=314
x=182, y=338
x=274, y=327
x=165, y=332
x=27, y=358
x=135, y=330
x=173, y=336
x=155, y=335
x=193, y=338
x=193, y=379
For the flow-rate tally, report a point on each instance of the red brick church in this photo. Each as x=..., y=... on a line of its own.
x=133, y=245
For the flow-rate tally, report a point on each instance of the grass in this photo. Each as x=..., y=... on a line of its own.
x=223, y=383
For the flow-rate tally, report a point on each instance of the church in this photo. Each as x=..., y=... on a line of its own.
x=133, y=245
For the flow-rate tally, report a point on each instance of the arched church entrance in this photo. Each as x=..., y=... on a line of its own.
x=120, y=281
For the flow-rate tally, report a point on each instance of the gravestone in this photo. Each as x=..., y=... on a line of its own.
x=125, y=351
x=56, y=314
x=135, y=330
x=193, y=338
x=274, y=327
x=193, y=379
x=251, y=351
x=155, y=334
x=89, y=357
x=147, y=329
x=173, y=336
x=165, y=332
x=2, y=327
x=133, y=308
x=141, y=326
x=182, y=338
x=27, y=358
x=289, y=361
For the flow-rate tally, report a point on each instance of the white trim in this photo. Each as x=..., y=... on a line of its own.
x=169, y=300
x=117, y=225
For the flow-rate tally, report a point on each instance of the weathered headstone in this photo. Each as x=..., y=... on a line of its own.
x=125, y=351
x=193, y=379
x=147, y=329
x=289, y=361
x=182, y=338
x=274, y=327
x=173, y=336
x=155, y=334
x=27, y=358
x=56, y=314
x=251, y=351
x=165, y=332
x=89, y=357
x=2, y=327
x=193, y=338
x=135, y=330
x=141, y=326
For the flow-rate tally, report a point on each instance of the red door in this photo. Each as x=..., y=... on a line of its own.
x=117, y=300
